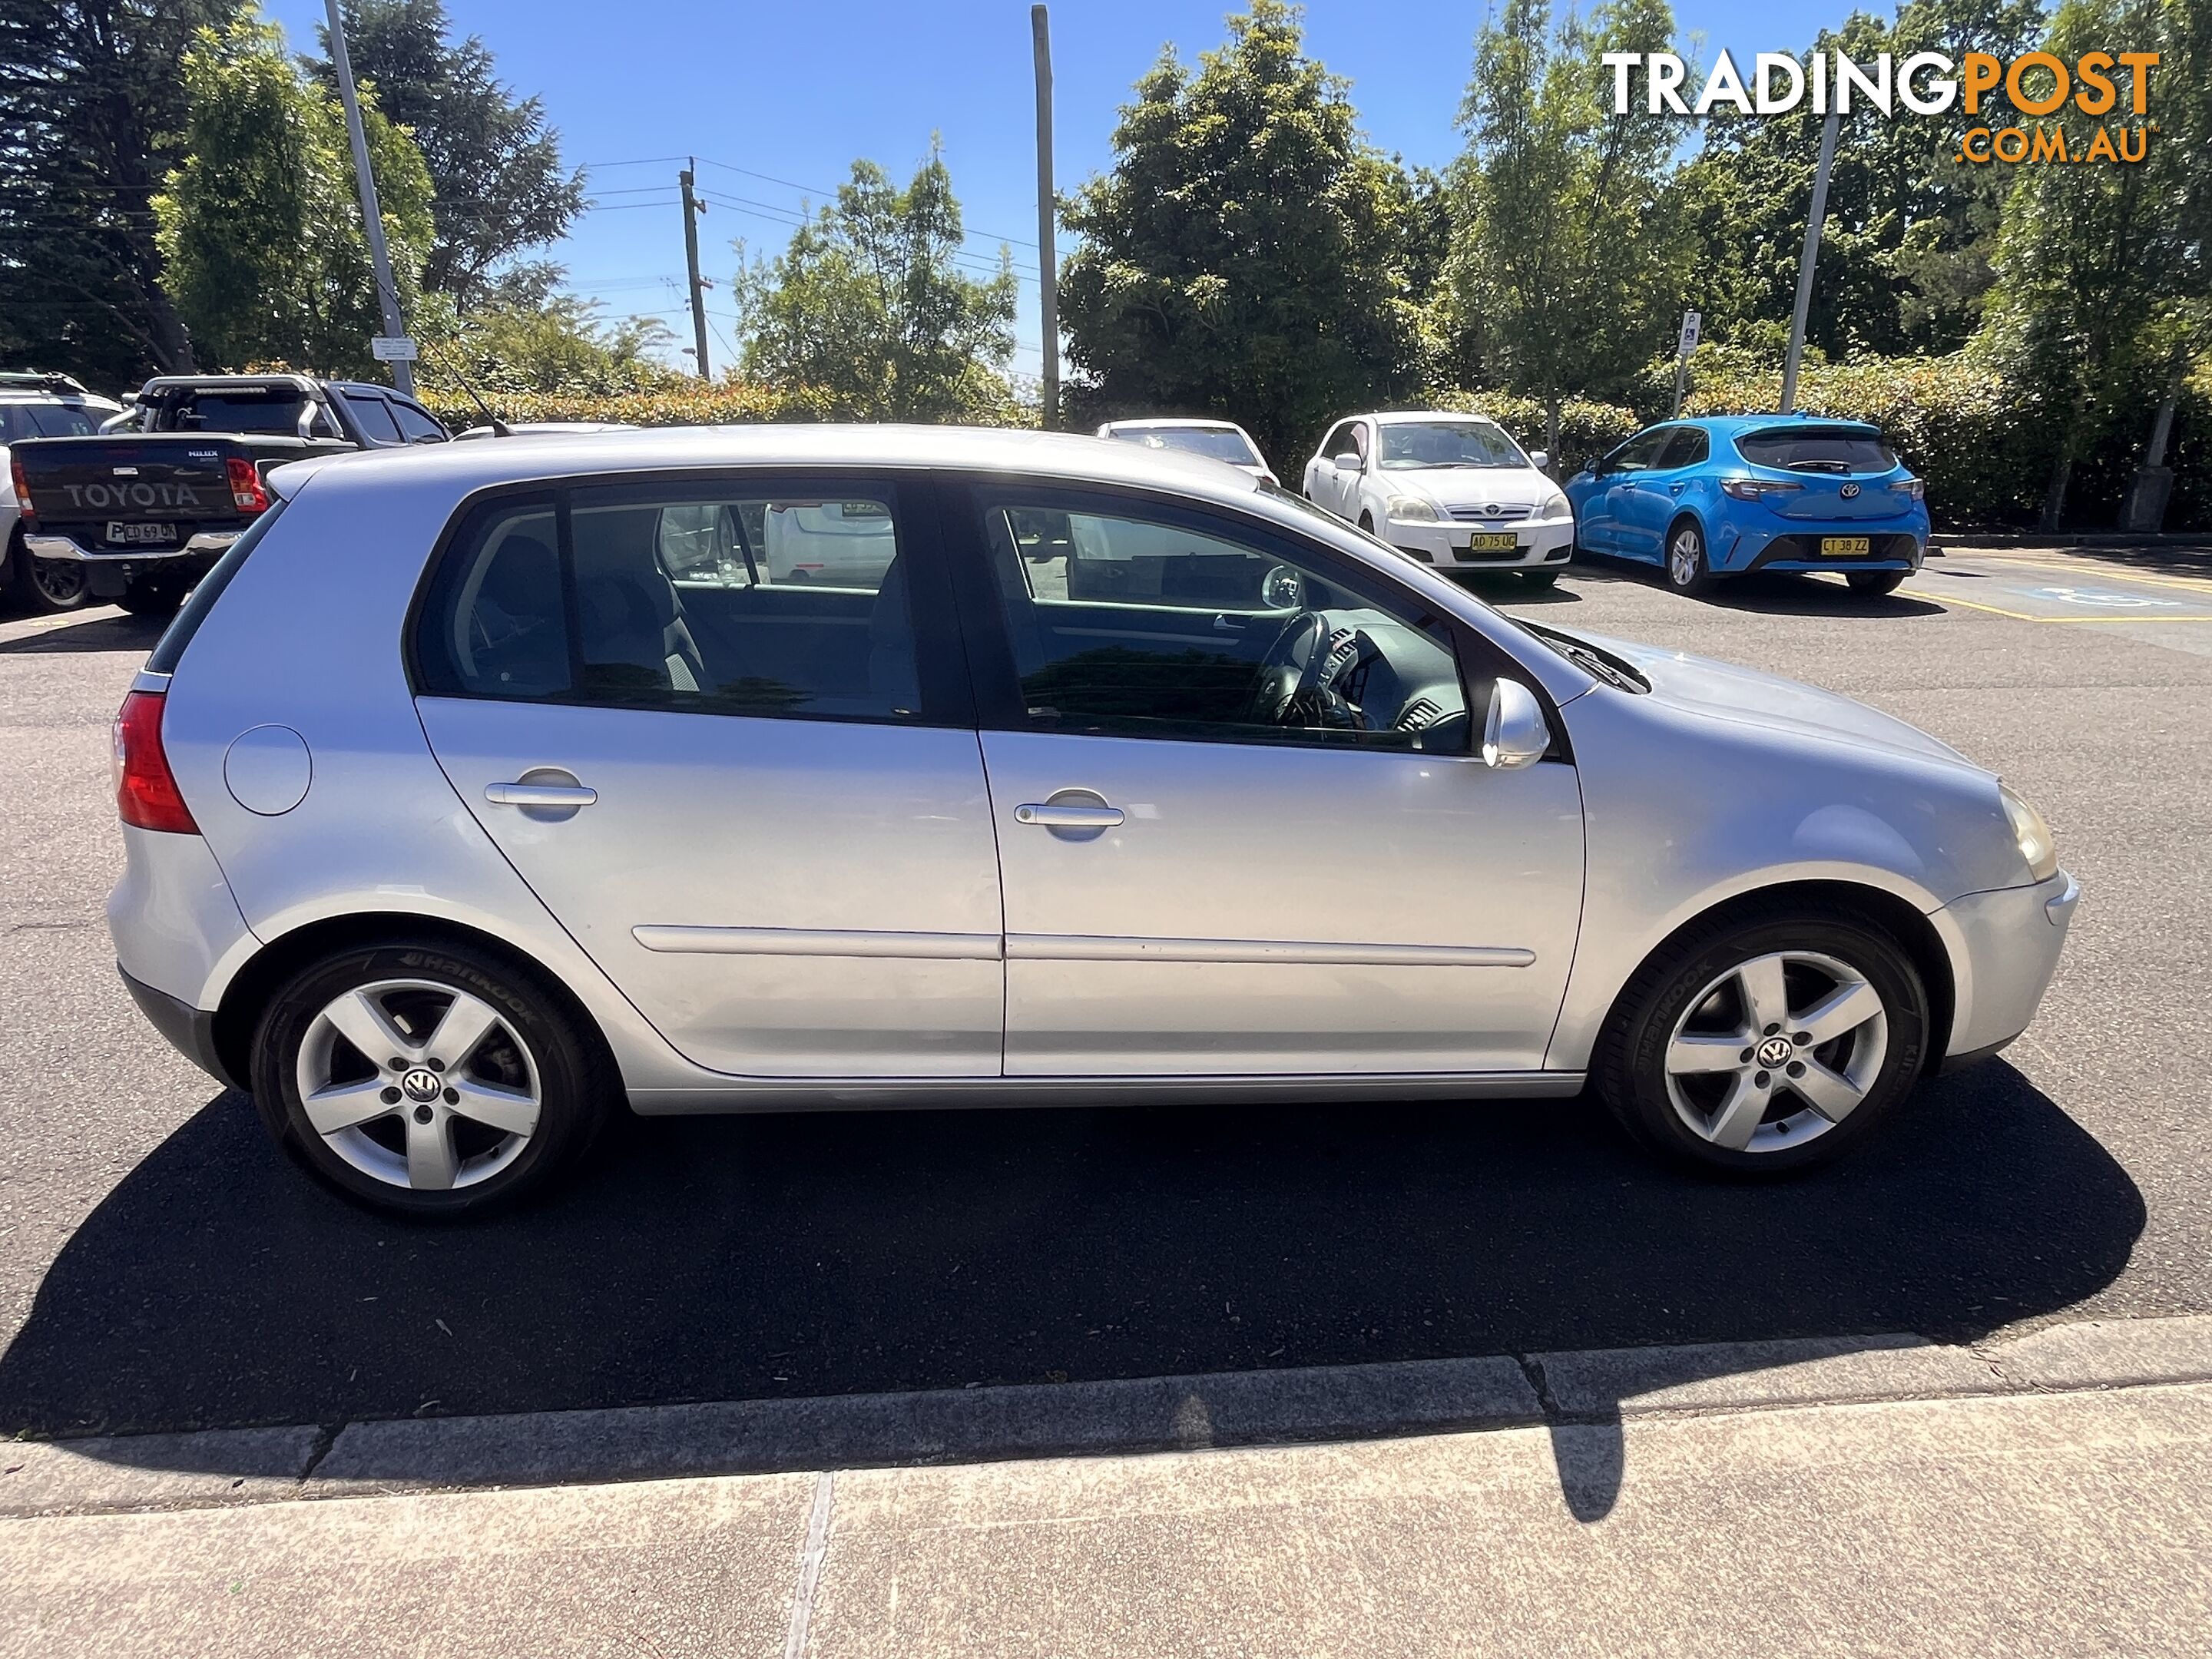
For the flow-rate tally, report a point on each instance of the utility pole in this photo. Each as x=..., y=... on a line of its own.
x=371, y=218
x=1047, y=253
x=693, y=207
x=1806, y=261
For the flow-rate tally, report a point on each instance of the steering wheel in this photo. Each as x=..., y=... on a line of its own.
x=1291, y=673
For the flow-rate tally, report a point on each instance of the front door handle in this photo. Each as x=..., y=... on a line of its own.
x=1052, y=817
x=539, y=794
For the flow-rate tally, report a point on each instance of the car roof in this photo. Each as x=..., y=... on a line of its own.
x=1388, y=415
x=1730, y=424
x=459, y=469
x=1155, y=422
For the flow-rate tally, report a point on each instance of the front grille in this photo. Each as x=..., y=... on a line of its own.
x=1484, y=515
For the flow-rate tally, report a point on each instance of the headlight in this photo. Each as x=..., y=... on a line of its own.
x=1411, y=509
x=2036, y=845
x=1553, y=506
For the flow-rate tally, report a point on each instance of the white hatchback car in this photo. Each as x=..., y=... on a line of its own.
x=1446, y=490
x=1218, y=441
x=483, y=788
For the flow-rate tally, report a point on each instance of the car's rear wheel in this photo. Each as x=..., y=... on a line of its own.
x=1688, y=572
x=428, y=1079
x=1764, y=1047
x=48, y=584
x=1876, y=582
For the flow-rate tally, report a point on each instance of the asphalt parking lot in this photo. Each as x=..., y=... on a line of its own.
x=162, y=1267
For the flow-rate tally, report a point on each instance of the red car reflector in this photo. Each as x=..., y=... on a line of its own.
x=22, y=487
x=247, y=489
x=145, y=790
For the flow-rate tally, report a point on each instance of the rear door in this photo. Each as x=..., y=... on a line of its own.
x=758, y=804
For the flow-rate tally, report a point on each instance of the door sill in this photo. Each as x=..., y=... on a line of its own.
x=739, y=1094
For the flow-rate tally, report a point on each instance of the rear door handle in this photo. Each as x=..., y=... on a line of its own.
x=1050, y=817
x=539, y=794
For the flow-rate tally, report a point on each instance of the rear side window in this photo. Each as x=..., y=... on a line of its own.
x=188, y=620
x=374, y=415
x=744, y=600
x=1818, y=449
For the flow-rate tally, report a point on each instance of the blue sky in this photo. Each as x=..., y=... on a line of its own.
x=792, y=93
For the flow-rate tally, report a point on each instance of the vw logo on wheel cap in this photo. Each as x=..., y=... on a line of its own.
x=1776, y=1051
x=1849, y=492
x=421, y=1084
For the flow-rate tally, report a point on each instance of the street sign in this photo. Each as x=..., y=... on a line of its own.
x=391, y=348
x=1690, y=321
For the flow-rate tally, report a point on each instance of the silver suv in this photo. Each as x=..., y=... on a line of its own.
x=480, y=790
x=38, y=406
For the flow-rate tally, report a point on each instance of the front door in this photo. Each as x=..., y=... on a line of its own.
x=1649, y=500
x=756, y=799
x=1240, y=828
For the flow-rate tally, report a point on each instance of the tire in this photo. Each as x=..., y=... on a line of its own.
x=153, y=595
x=548, y=1083
x=1536, y=581
x=1367, y=522
x=1876, y=582
x=44, y=587
x=1688, y=572
x=1670, y=1063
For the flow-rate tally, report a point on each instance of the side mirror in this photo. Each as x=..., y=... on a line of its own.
x=1514, y=735
x=1346, y=462
x=1541, y=460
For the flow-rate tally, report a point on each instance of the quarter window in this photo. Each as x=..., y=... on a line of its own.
x=791, y=603
x=1156, y=623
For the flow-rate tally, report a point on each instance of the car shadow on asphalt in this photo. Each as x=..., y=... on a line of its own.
x=804, y=1257
x=1776, y=595
x=113, y=631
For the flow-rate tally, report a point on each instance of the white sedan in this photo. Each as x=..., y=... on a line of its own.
x=1445, y=489
x=1219, y=440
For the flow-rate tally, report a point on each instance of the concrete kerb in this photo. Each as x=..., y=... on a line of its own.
x=1564, y=1390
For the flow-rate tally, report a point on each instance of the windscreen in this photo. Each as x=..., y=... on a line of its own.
x=1213, y=442
x=1818, y=449
x=1410, y=444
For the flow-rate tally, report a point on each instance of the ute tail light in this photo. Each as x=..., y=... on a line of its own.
x=145, y=789
x=247, y=489
x=22, y=487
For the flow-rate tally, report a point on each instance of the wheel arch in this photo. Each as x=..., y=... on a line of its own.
x=1847, y=900
x=260, y=978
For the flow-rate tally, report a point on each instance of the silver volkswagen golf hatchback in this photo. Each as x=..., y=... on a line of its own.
x=478, y=792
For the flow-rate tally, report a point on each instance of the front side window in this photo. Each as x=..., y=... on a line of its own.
x=416, y=424
x=685, y=599
x=1346, y=440
x=1154, y=624
x=1817, y=449
x=1686, y=445
x=1640, y=451
x=1410, y=444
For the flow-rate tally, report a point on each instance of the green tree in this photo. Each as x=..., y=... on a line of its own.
x=495, y=164
x=867, y=305
x=260, y=231
x=92, y=108
x=1906, y=244
x=2102, y=268
x=1249, y=255
x=524, y=336
x=1569, y=261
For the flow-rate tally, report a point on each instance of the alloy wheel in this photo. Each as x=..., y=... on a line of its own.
x=419, y=1086
x=60, y=582
x=1776, y=1051
x=1684, y=557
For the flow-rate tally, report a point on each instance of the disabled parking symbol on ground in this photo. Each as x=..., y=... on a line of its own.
x=2103, y=599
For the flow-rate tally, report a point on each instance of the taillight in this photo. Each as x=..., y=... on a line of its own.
x=22, y=487
x=145, y=789
x=1754, y=489
x=247, y=489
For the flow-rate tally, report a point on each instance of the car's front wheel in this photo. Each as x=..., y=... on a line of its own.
x=1876, y=582
x=428, y=1079
x=1688, y=572
x=1763, y=1046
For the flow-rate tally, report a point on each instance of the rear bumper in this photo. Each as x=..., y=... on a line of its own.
x=190, y=1031
x=53, y=545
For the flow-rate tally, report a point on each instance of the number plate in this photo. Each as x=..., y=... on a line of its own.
x=145, y=535
x=1845, y=547
x=1504, y=544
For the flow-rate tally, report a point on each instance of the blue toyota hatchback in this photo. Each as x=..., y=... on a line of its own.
x=1726, y=495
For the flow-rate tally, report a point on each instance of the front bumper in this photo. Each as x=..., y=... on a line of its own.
x=2005, y=946
x=1536, y=541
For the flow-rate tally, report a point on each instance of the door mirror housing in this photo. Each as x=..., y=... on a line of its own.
x=1541, y=460
x=1348, y=462
x=1513, y=734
